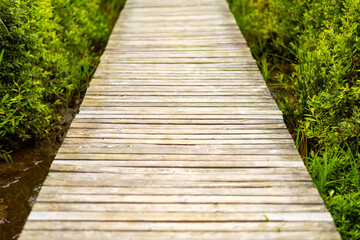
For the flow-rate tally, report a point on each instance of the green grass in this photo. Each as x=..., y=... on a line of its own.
x=309, y=54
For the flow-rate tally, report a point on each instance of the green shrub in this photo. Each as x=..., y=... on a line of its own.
x=312, y=49
x=23, y=111
x=49, y=49
x=346, y=212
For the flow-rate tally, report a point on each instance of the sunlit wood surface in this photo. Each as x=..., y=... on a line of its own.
x=178, y=137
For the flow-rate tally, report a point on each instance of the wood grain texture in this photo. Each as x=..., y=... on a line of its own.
x=178, y=137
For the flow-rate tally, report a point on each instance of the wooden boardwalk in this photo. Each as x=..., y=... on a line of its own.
x=178, y=138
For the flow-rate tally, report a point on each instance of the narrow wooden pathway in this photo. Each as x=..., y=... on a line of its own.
x=178, y=138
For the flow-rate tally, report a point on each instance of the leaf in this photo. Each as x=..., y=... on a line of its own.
x=7, y=30
x=1, y=54
x=7, y=119
x=5, y=98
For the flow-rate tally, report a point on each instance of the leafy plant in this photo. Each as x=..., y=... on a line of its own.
x=49, y=50
x=313, y=49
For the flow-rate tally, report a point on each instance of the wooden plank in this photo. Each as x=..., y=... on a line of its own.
x=217, y=147
x=178, y=150
x=68, y=159
x=114, y=55
x=169, y=27
x=241, y=121
x=276, y=191
x=180, y=217
x=175, y=66
x=179, y=75
x=185, y=226
x=203, y=88
x=265, y=143
x=93, y=234
x=175, y=42
x=182, y=131
x=83, y=179
x=175, y=98
x=254, y=127
x=177, y=207
x=191, y=171
x=171, y=81
x=180, y=116
x=178, y=18
x=176, y=157
x=172, y=93
x=143, y=60
x=93, y=102
x=169, y=183
x=200, y=73
x=83, y=134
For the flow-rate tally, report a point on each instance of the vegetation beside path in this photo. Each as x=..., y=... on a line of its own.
x=309, y=54
x=48, y=52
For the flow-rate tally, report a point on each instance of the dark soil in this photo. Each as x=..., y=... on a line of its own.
x=21, y=179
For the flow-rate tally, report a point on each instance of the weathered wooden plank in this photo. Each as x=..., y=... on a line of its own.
x=176, y=150
x=199, y=73
x=174, y=20
x=176, y=98
x=191, y=171
x=175, y=42
x=108, y=126
x=180, y=116
x=93, y=234
x=184, y=75
x=176, y=61
x=169, y=81
x=199, y=45
x=177, y=157
x=83, y=134
x=180, y=10
x=93, y=102
x=177, y=207
x=112, y=179
x=181, y=131
x=110, y=143
x=161, y=27
x=224, y=47
x=169, y=183
x=262, y=143
x=231, y=149
x=276, y=191
x=117, y=91
x=100, y=161
x=185, y=226
x=203, y=88
x=173, y=93
x=180, y=217
x=180, y=77
x=175, y=66
x=240, y=121
x=175, y=53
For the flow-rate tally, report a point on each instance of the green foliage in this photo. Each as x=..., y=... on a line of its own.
x=346, y=212
x=312, y=48
x=48, y=52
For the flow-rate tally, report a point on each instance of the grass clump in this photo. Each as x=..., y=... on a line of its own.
x=48, y=52
x=309, y=53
